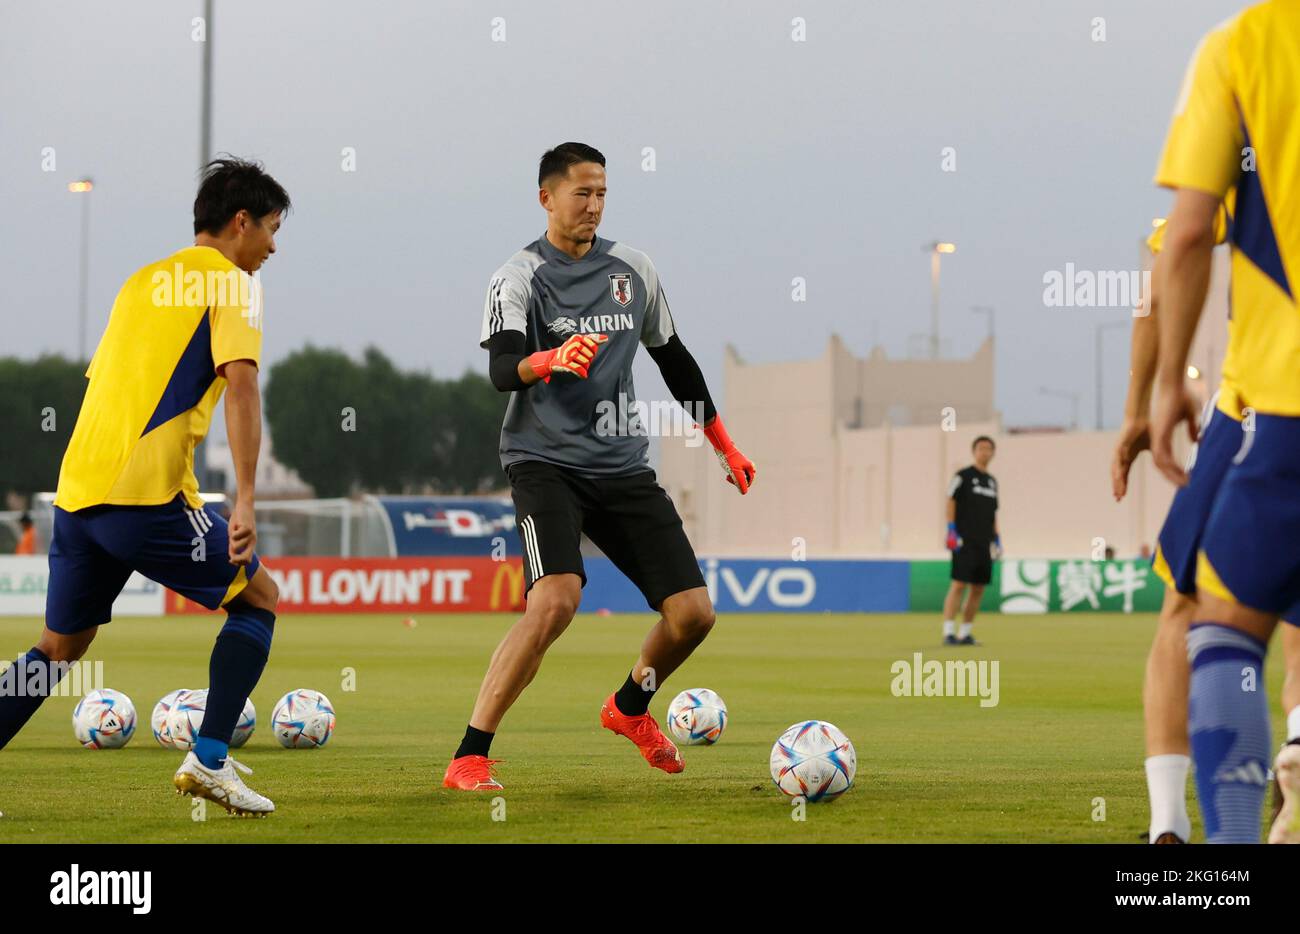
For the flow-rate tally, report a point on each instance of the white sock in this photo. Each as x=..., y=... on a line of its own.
x=949, y=627
x=965, y=630
x=1167, y=788
x=1293, y=724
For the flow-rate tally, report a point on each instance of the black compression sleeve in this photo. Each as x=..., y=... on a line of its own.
x=683, y=377
x=506, y=349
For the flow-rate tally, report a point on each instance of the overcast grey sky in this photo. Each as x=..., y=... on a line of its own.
x=775, y=159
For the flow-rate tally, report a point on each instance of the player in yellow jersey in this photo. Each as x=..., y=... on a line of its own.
x=182, y=332
x=1234, y=127
x=1165, y=685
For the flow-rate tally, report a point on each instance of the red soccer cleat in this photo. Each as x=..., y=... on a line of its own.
x=656, y=748
x=471, y=773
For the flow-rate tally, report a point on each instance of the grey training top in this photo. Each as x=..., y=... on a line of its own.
x=589, y=426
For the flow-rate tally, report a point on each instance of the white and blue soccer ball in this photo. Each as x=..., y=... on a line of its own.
x=245, y=725
x=159, y=718
x=183, y=719
x=303, y=719
x=813, y=760
x=104, y=719
x=697, y=717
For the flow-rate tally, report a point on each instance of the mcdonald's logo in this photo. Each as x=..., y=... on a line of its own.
x=512, y=574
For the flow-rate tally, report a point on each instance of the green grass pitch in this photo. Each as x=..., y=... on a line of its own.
x=1066, y=732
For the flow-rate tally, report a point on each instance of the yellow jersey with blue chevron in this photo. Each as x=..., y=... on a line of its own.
x=1234, y=127
x=154, y=380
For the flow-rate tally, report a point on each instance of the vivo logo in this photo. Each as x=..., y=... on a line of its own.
x=786, y=587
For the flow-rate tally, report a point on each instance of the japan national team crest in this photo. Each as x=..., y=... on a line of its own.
x=620, y=286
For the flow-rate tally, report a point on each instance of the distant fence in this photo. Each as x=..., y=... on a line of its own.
x=365, y=527
x=388, y=526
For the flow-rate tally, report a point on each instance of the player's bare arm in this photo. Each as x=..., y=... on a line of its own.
x=244, y=429
x=1189, y=243
x=1134, y=433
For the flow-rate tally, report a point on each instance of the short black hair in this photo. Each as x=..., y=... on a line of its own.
x=24, y=520
x=983, y=438
x=557, y=161
x=231, y=185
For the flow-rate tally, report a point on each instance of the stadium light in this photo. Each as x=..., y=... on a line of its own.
x=936, y=248
x=205, y=153
x=83, y=186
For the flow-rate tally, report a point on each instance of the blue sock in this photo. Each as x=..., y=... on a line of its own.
x=1228, y=725
x=210, y=751
x=22, y=691
x=236, y=665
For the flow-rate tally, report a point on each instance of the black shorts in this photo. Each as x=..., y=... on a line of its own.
x=629, y=518
x=972, y=563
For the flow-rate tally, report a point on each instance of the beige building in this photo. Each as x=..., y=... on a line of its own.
x=274, y=480
x=857, y=462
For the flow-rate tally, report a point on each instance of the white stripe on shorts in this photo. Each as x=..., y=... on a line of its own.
x=523, y=539
x=531, y=548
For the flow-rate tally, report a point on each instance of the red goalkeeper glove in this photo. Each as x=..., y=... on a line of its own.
x=740, y=469
x=574, y=356
x=954, y=540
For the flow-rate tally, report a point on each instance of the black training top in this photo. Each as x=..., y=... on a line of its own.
x=976, y=495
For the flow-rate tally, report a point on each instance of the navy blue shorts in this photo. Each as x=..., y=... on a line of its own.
x=94, y=550
x=1180, y=537
x=1248, y=552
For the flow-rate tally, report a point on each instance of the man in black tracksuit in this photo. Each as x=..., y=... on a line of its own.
x=972, y=539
